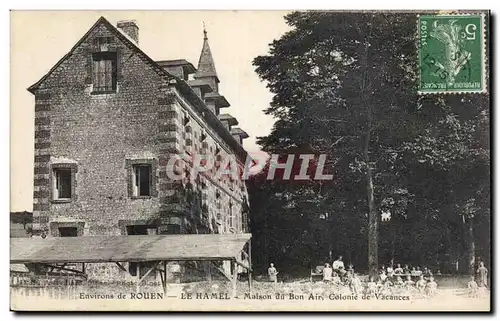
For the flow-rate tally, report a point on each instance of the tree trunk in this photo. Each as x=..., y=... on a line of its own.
x=372, y=226
x=472, y=246
x=372, y=215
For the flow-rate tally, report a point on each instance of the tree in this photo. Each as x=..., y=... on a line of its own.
x=337, y=81
x=344, y=84
x=456, y=148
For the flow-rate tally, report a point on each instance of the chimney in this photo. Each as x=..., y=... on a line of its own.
x=130, y=28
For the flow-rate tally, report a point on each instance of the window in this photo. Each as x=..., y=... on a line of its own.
x=142, y=230
x=68, y=231
x=104, y=72
x=141, y=177
x=141, y=184
x=185, y=119
x=62, y=183
x=103, y=43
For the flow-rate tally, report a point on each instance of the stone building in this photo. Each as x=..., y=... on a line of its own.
x=108, y=118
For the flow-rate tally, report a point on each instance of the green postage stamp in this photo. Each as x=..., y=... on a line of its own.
x=451, y=53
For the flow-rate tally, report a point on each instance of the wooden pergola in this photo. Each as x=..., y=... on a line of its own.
x=57, y=252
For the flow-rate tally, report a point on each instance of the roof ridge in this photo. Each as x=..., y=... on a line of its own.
x=180, y=82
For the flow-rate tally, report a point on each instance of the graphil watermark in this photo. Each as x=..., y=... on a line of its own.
x=293, y=167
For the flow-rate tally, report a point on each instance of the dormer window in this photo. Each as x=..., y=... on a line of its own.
x=185, y=118
x=103, y=72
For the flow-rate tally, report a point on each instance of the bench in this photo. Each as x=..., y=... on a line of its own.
x=317, y=272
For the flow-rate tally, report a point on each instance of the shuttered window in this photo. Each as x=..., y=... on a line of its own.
x=104, y=72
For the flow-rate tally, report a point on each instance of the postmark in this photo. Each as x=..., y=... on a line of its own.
x=451, y=54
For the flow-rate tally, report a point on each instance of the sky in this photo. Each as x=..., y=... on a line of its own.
x=40, y=38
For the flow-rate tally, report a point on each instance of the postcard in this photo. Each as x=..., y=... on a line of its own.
x=250, y=161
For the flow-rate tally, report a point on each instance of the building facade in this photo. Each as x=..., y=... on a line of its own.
x=108, y=119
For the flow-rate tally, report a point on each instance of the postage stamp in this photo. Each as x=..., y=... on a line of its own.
x=451, y=53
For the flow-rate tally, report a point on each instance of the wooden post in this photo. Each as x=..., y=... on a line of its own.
x=235, y=278
x=138, y=275
x=165, y=277
x=162, y=281
x=250, y=265
x=209, y=270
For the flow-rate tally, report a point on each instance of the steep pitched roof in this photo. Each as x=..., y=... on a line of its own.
x=120, y=35
x=206, y=65
x=180, y=84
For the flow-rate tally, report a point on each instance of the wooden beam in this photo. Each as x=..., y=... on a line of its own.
x=242, y=265
x=165, y=277
x=161, y=276
x=149, y=271
x=60, y=266
x=120, y=266
x=162, y=281
x=222, y=271
x=137, y=276
x=64, y=269
x=235, y=277
x=209, y=270
x=250, y=265
x=160, y=258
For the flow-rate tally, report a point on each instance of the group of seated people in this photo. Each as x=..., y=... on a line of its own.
x=478, y=284
x=393, y=284
x=390, y=280
x=474, y=289
x=337, y=271
x=397, y=279
x=406, y=278
x=405, y=271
